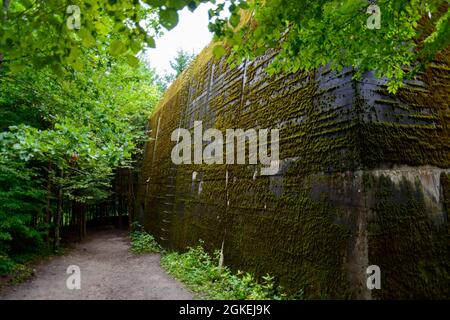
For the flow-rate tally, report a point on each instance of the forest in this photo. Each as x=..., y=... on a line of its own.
x=76, y=94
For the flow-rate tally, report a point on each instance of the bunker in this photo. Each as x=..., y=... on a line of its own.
x=363, y=179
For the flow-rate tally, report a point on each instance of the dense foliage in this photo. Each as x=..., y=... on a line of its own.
x=57, y=33
x=62, y=139
x=308, y=34
x=202, y=273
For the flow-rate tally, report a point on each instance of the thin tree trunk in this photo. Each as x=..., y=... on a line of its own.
x=73, y=216
x=80, y=220
x=48, y=206
x=130, y=198
x=5, y=8
x=4, y=14
x=6, y=5
x=84, y=220
x=58, y=213
x=117, y=187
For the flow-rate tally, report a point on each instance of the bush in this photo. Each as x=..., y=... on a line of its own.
x=202, y=274
x=21, y=273
x=6, y=265
x=21, y=203
x=143, y=242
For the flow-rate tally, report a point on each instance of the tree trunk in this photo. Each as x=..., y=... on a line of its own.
x=130, y=198
x=4, y=17
x=48, y=206
x=58, y=213
x=118, y=185
x=6, y=5
x=5, y=8
x=73, y=218
x=84, y=221
x=82, y=215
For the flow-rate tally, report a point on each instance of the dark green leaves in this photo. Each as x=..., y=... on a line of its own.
x=168, y=18
x=150, y=42
x=235, y=19
x=155, y=3
x=176, y=4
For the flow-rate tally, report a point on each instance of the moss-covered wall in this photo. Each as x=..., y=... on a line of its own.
x=326, y=215
x=405, y=239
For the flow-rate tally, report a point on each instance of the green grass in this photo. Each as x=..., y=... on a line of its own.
x=201, y=273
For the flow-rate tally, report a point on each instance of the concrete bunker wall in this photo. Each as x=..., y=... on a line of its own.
x=363, y=178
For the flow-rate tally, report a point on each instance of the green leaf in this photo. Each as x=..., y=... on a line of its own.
x=155, y=3
x=192, y=5
x=132, y=61
x=235, y=19
x=16, y=68
x=86, y=38
x=244, y=5
x=150, y=41
x=168, y=18
x=117, y=48
x=219, y=51
x=176, y=4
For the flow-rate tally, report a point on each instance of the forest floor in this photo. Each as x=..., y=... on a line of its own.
x=108, y=271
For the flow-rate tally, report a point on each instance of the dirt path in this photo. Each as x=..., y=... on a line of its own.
x=108, y=271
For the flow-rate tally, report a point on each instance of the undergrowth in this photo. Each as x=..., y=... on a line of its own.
x=16, y=269
x=143, y=242
x=202, y=274
x=20, y=273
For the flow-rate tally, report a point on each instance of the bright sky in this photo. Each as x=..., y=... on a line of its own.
x=191, y=34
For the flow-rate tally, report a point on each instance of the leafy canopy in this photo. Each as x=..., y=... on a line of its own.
x=44, y=33
x=307, y=34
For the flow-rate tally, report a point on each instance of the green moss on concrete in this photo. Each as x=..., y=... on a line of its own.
x=411, y=251
x=303, y=232
x=425, y=140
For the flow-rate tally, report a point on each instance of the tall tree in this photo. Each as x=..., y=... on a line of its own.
x=178, y=64
x=181, y=61
x=72, y=132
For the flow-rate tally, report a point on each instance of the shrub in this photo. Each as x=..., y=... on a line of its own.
x=6, y=264
x=143, y=242
x=202, y=274
x=21, y=273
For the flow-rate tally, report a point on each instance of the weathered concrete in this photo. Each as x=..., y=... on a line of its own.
x=359, y=182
